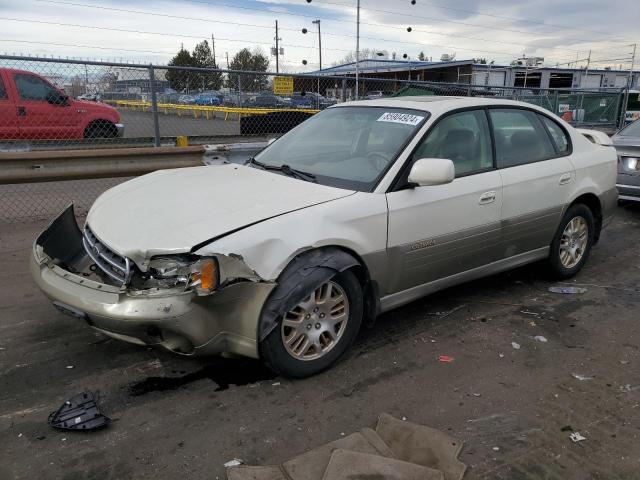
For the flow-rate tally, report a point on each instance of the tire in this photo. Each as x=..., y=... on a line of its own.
x=572, y=242
x=301, y=344
x=101, y=129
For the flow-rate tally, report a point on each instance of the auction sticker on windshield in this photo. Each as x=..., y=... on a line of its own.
x=404, y=118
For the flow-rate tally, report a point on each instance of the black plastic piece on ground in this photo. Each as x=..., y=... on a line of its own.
x=80, y=412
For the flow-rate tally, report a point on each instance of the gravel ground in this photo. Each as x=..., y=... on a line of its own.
x=178, y=417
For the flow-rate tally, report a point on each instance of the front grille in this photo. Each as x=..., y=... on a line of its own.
x=117, y=267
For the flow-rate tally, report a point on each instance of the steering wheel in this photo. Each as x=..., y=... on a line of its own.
x=378, y=160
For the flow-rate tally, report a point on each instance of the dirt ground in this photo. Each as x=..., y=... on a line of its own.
x=177, y=417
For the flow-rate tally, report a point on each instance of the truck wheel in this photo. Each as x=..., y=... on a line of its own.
x=572, y=242
x=101, y=129
x=315, y=334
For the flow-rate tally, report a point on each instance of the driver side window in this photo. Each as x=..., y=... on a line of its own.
x=463, y=138
x=31, y=87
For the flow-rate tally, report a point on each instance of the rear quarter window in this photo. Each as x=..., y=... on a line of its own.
x=559, y=137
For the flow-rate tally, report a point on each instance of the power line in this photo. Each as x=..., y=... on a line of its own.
x=142, y=12
x=165, y=34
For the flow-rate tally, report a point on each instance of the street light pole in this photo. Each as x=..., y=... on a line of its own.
x=317, y=22
x=625, y=103
x=357, y=48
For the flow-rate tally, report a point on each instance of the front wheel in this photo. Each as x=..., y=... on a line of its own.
x=572, y=242
x=314, y=334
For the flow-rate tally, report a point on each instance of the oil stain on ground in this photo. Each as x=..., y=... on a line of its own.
x=222, y=371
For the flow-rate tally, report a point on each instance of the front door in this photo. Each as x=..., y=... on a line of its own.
x=532, y=154
x=438, y=231
x=8, y=114
x=39, y=119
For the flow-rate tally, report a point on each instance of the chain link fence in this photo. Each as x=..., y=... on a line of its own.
x=67, y=104
x=52, y=103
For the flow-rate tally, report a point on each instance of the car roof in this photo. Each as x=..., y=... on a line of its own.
x=434, y=104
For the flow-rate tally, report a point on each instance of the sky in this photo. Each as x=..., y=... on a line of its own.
x=145, y=31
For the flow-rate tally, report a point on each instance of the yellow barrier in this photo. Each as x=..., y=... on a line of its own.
x=199, y=110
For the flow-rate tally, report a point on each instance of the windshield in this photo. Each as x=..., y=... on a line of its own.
x=346, y=147
x=632, y=130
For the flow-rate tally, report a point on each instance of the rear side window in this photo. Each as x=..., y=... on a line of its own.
x=31, y=87
x=557, y=134
x=520, y=137
x=462, y=138
x=3, y=91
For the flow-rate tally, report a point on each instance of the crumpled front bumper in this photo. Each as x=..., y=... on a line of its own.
x=223, y=322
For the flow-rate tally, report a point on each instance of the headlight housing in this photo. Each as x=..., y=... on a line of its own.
x=631, y=164
x=198, y=274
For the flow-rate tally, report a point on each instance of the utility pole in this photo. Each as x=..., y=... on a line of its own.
x=227, y=60
x=317, y=22
x=213, y=50
x=625, y=103
x=277, y=49
x=357, y=49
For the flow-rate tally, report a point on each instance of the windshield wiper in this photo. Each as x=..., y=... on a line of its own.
x=286, y=169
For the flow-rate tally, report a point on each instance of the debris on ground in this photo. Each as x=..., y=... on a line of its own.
x=577, y=437
x=540, y=338
x=580, y=377
x=69, y=367
x=445, y=359
x=233, y=463
x=515, y=345
x=395, y=449
x=567, y=428
x=80, y=412
x=567, y=290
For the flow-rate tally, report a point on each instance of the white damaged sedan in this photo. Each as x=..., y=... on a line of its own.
x=362, y=208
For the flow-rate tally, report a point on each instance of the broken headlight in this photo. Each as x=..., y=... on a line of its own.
x=199, y=274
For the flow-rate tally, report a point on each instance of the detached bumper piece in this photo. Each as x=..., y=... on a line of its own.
x=80, y=412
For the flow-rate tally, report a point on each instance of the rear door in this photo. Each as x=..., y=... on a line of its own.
x=8, y=113
x=439, y=231
x=532, y=155
x=37, y=118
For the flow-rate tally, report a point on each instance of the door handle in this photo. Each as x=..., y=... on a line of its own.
x=22, y=111
x=487, y=197
x=564, y=179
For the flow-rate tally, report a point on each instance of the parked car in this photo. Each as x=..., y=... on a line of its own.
x=208, y=98
x=32, y=108
x=311, y=100
x=234, y=99
x=186, y=100
x=268, y=100
x=627, y=143
x=362, y=208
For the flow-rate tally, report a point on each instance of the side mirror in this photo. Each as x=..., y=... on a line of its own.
x=432, y=171
x=57, y=98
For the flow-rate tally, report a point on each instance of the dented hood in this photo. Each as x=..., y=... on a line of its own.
x=170, y=211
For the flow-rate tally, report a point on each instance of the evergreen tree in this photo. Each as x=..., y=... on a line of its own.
x=203, y=58
x=181, y=80
x=421, y=56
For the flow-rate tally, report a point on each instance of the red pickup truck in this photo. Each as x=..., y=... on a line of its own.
x=31, y=108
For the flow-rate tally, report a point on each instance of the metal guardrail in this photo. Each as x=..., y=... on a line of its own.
x=41, y=166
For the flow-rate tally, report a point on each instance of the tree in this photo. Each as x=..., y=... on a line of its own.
x=246, y=60
x=203, y=58
x=365, y=54
x=421, y=56
x=481, y=61
x=181, y=80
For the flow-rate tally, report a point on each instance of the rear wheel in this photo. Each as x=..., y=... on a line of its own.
x=315, y=333
x=573, y=241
